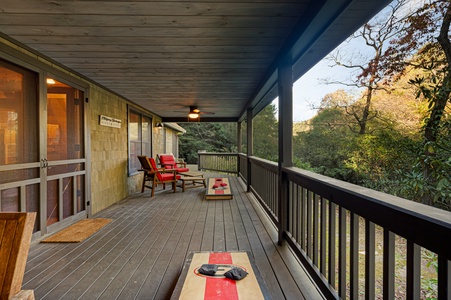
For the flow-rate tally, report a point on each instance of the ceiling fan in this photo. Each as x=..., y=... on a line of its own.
x=195, y=112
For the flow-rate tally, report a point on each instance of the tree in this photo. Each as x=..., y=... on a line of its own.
x=425, y=45
x=211, y=137
x=370, y=75
x=326, y=145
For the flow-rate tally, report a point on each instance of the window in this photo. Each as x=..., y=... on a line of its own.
x=140, y=139
x=18, y=115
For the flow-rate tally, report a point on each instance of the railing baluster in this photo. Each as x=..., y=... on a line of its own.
x=413, y=262
x=370, y=249
x=303, y=218
x=323, y=233
x=298, y=212
x=291, y=211
x=354, y=257
x=342, y=252
x=444, y=275
x=389, y=265
x=332, y=237
x=315, y=229
x=294, y=215
x=309, y=224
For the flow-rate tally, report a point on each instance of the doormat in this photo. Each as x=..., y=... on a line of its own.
x=78, y=232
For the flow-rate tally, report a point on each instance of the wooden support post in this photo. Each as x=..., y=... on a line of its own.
x=239, y=137
x=239, y=142
x=250, y=148
x=285, y=85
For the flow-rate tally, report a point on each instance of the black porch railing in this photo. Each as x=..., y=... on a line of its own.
x=351, y=239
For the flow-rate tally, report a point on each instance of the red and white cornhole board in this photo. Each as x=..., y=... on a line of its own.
x=197, y=286
x=218, y=188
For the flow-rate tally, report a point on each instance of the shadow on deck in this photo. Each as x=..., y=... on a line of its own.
x=140, y=254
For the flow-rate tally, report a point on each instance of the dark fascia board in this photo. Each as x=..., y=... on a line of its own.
x=202, y=120
x=300, y=46
x=301, y=52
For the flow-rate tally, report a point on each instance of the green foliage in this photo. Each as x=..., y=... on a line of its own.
x=436, y=183
x=380, y=158
x=265, y=134
x=430, y=285
x=326, y=145
x=211, y=137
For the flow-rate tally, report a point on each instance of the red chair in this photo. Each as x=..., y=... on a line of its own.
x=167, y=161
x=155, y=175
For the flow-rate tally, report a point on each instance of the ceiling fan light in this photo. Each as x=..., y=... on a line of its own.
x=193, y=115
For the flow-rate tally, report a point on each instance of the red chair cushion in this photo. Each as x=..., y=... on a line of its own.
x=167, y=176
x=167, y=161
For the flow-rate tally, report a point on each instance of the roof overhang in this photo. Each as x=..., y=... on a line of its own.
x=166, y=56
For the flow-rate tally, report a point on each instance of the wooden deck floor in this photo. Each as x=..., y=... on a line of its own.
x=140, y=254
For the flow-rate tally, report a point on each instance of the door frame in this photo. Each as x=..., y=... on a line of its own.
x=45, y=70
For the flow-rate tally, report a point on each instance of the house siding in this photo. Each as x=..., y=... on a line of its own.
x=109, y=150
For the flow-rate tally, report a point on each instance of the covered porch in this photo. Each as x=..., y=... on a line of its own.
x=140, y=254
x=230, y=59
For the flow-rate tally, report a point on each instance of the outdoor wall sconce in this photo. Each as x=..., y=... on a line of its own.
x=158, y=125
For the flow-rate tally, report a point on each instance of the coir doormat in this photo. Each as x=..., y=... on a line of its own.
x=78, y=232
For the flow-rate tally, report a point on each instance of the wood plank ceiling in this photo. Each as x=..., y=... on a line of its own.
x=167, y=55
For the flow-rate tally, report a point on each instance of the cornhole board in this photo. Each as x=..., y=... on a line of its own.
x=194, y=286
x=218, y=188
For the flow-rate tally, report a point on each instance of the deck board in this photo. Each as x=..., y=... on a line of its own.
x=141, y=253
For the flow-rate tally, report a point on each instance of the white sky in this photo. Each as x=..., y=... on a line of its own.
x=310, y=89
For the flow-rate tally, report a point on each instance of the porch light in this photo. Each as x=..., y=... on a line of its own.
x=158, y=125
x=193, y=115
x=50, y=81
x=193, y=112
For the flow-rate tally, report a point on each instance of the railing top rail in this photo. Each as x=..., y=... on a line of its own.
x=269, y=165
x=218, y=153
x=424, y=225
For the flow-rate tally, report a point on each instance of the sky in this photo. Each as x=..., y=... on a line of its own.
x=310, y=89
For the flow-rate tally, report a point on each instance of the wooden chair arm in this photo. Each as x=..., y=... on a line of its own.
x=183, y=164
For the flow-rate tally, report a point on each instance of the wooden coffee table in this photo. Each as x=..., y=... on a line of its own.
x=192, y=174
x=218, y=188
x=192, y=179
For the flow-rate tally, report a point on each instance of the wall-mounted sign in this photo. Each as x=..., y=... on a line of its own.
x=110, y=122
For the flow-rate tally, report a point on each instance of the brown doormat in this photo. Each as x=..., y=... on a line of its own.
x=77, y=232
